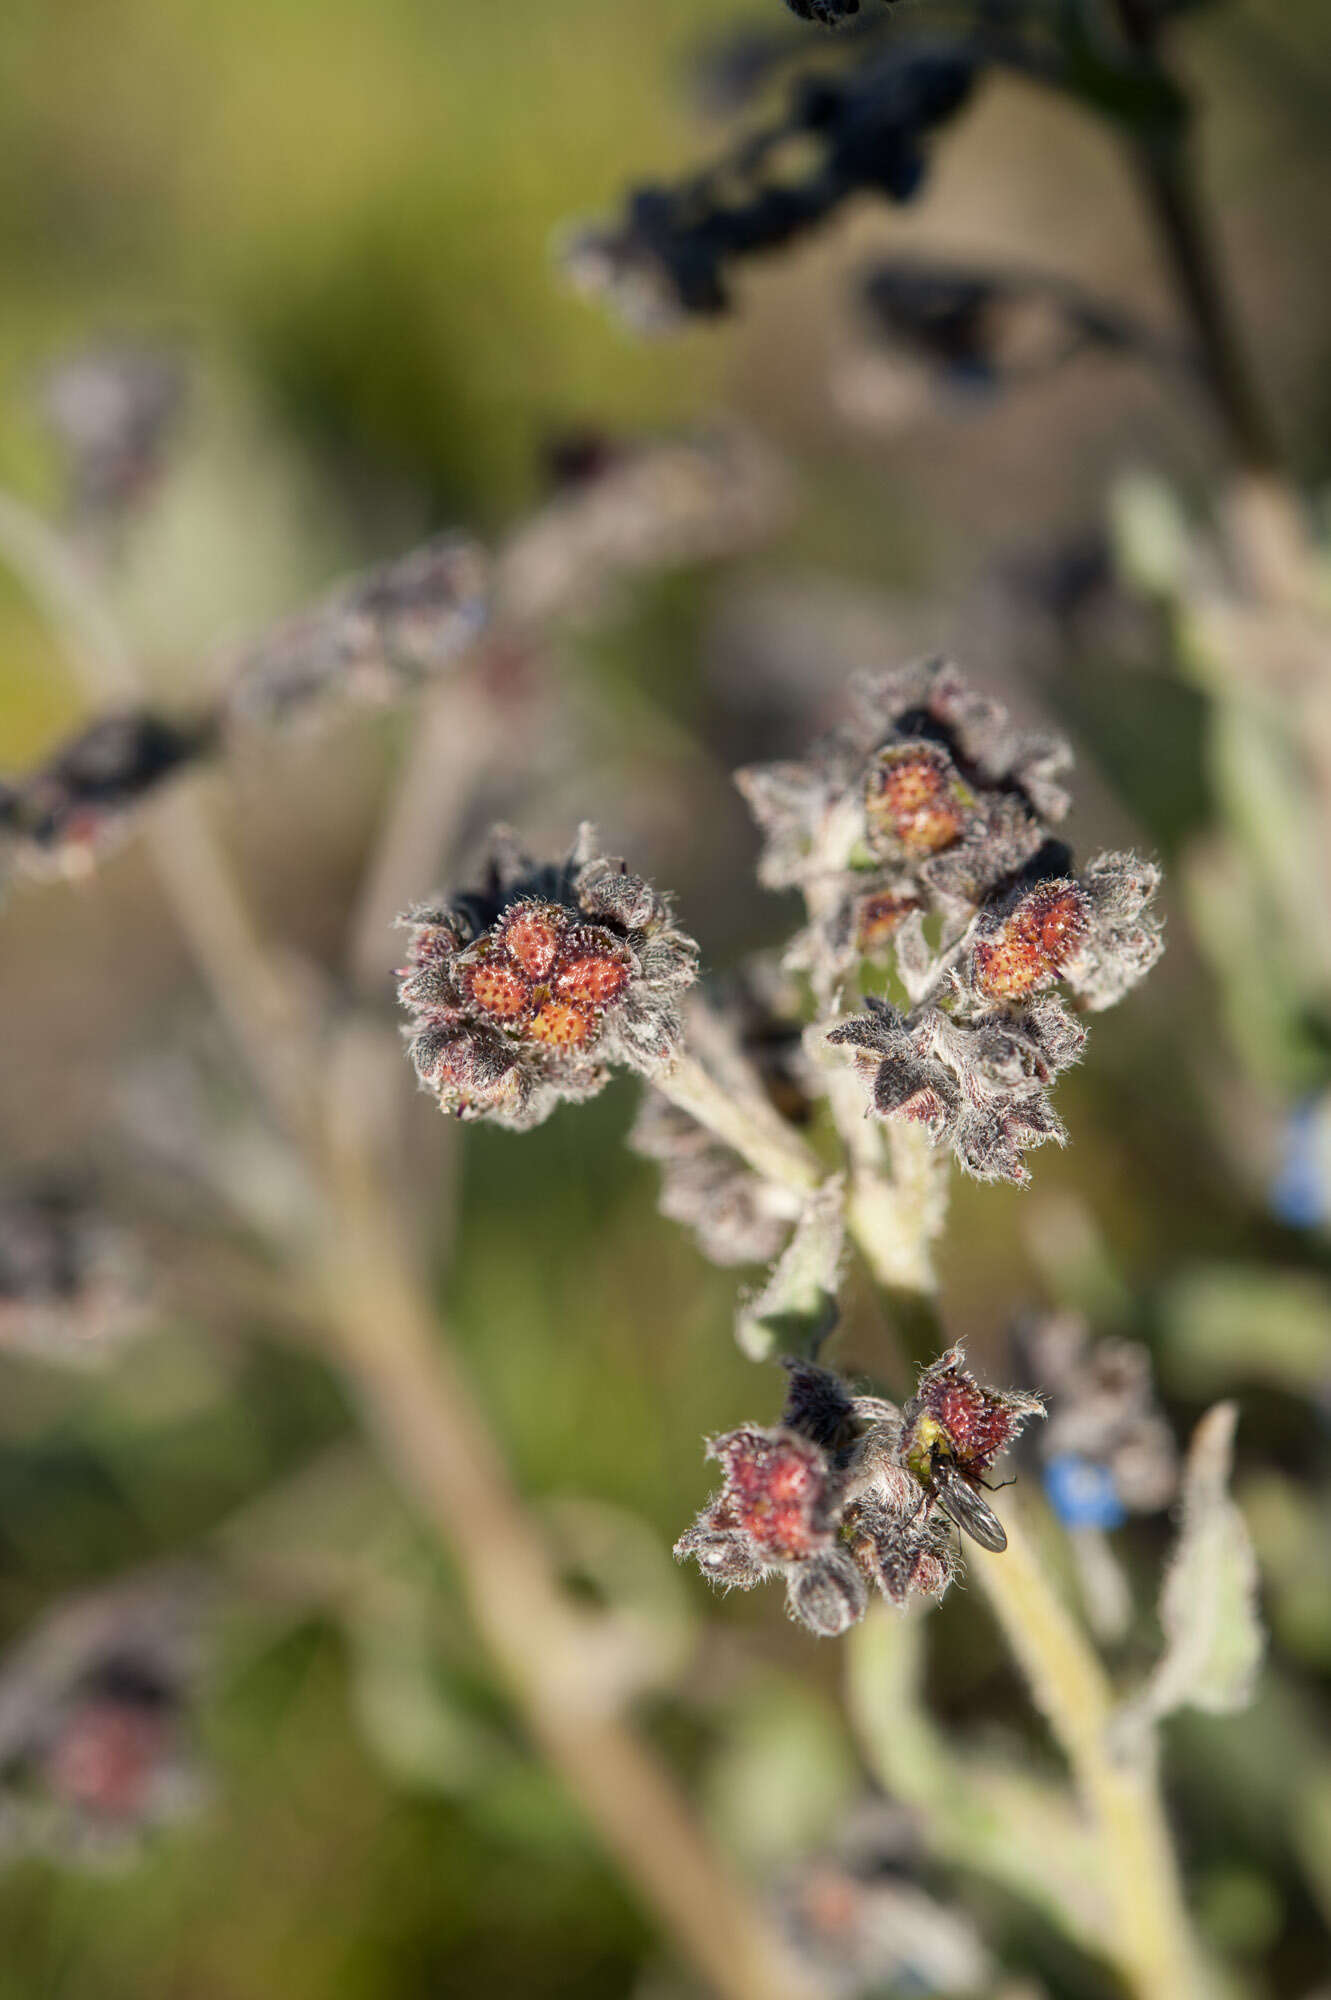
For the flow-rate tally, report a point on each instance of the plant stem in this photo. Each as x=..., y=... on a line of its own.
x=415, y=1401
x=748, y=1124
x=1150, y=1933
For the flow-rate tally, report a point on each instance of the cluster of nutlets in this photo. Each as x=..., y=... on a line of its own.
x=532, y=989
x=849, y=1492
x=921, y=837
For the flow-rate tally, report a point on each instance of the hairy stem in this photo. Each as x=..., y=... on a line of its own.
x=747, y=1123
x=1150, y=1935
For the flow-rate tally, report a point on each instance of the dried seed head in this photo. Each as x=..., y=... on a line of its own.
x=532, y=989
x=878, y=918
x=776, y=1492
x=953, y=1417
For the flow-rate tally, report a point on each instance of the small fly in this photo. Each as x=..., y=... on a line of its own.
x=963, y=1505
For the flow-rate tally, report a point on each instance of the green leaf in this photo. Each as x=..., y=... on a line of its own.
x=1208, y=1604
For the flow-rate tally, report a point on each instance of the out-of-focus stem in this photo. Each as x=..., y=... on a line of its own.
x=435, y=1442
x=456, y=730
x=1150, y=1934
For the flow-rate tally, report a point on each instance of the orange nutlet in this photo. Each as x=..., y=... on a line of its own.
x=560, y=1025
x=591, y=981
x=498, y=990
x=1034, y=943
x=880, y=917
x=530, y=935
x=914, y=796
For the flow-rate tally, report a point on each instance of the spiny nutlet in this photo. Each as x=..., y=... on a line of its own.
x=915, y=800
x=530, y=990
x=1028, y=948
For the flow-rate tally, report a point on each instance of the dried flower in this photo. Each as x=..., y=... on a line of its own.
x=849, y=1493
x=952, y=1431
x=94, y=1707
x=670, y=255
x=826, y=12
x=383, y=632
x=532, y=989
x=72, y=1284
x=77, y=804
x=1107, y=1450
x=111, y=409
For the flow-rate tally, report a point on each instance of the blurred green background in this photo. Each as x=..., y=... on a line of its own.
x=344, y=213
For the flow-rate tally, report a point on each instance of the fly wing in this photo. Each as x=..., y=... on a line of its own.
x=962, y=1504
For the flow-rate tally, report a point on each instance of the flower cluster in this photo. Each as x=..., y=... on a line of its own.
x=670, y=255
x=531, y=989
x=1107, y=1451
x=932, y=806
x=849, y=1492
x=73, y=807
x=973, y=1060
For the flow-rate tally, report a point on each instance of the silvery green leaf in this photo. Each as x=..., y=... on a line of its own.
x=797, y=1308
x=1208, y=1604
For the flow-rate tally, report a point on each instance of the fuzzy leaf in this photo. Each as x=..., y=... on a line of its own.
x=1208, y=1604
x=797, y=1307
